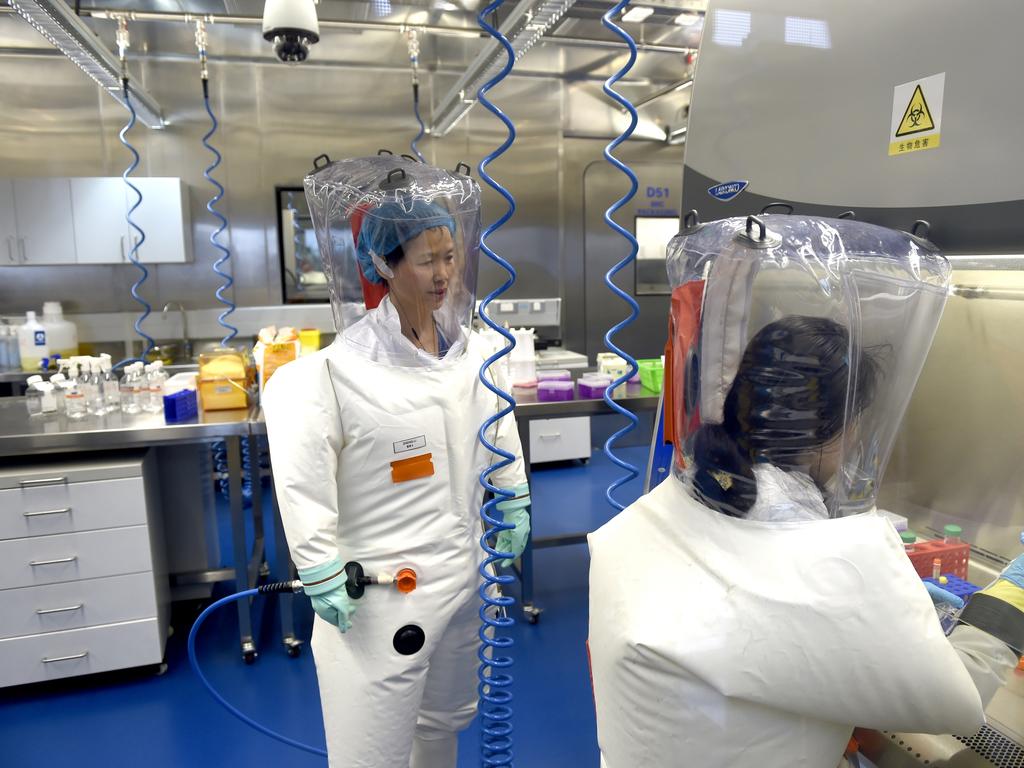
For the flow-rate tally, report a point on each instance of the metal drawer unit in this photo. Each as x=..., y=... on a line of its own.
x=83, y=587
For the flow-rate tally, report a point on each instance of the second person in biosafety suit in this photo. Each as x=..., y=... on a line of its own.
x=376, y=460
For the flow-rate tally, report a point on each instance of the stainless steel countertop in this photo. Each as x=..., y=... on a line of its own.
x=22, y=434
x=633, y=396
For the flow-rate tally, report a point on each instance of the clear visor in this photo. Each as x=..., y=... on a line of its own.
x=797, y=349
x=400, y=247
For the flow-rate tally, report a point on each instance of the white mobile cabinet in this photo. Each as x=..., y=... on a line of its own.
x=559, y=439
x=83, y=585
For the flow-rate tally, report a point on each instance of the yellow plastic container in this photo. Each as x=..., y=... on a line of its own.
x=224, y=380
x=309, y=338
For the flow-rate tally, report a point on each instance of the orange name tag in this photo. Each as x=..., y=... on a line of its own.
x=413, y=468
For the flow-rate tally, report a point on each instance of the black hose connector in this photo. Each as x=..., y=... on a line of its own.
x=276, y=587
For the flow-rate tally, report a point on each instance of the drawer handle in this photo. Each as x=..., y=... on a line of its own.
x=62, y=560
x=554, y=436
x=81, y=655
x=47, y=611
x=64, y=511
x=43, y=481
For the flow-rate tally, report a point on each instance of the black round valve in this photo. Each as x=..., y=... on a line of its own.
x=409, y=639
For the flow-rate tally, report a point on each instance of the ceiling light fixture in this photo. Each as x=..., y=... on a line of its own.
x=686, y=19
x=637, y=13
x=523, y=27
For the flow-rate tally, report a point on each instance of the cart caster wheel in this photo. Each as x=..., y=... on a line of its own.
x=294, y=651
x=532, y=618
x=264, y=570
x=159, y=670
x=249, y=656
x=531, y=614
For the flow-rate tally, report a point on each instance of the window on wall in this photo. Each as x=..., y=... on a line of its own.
x=653, y=234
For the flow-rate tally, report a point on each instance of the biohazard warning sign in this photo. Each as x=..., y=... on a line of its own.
x=916, y=115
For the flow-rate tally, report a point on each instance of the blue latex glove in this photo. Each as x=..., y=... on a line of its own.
x=325, y=586
x=1014, y=572
x=941, y=596
x=516, y=512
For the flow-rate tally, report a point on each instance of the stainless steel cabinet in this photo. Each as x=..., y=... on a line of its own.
x=43, y=221
x=101, y=232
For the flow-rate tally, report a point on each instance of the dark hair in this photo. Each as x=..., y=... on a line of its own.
x=788, y=398
x=391, y=259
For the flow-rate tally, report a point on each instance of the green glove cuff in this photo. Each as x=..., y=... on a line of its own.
x=321, y=579
x=519, y=500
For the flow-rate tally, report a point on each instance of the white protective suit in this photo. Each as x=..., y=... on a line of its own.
x=740, y=617
x=336, y=421
x=725, y=642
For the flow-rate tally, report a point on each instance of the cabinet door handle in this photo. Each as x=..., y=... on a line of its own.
x=123, y=257
x=552, y=436
x=47, y=611
x=81, y=655
x=59, y=561
x=64, y=511
x=10, y=249
x=21, y=249
x=43, y=481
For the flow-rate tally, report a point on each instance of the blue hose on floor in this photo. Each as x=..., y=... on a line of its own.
x=211, y=206
x=133, y=254
x=495, y=681
x=631, y=471
x=194, y=661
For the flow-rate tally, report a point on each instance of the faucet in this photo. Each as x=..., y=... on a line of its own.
x=186, y=345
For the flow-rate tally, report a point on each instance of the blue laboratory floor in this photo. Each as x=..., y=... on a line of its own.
x=169, y=721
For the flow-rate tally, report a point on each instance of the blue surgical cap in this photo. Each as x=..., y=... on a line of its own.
x=390, y=225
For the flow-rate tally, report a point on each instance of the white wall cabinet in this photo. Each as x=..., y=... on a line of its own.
x=101, y=232
x=83, y=221
x=42, y=210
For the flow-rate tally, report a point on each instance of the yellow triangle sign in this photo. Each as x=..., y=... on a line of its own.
x=918, y=117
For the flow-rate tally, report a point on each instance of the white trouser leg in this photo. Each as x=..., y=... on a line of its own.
x=433, y=748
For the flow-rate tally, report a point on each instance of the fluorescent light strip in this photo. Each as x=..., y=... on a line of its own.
x=70, y=35
x=637, y=13
x=525, y=25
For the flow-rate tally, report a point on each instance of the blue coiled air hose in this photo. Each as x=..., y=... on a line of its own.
x=631, y=470
x=495, y=680
x=133, y=254
x=283, y=586
x=414, y=144
x=211, y=206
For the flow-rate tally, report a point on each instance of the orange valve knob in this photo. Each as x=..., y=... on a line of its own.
x=405, y=581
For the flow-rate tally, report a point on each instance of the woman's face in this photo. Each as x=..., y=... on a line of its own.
x=422, y=277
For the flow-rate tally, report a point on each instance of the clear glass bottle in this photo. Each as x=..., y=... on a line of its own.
x=952, y=534
x=74, y=396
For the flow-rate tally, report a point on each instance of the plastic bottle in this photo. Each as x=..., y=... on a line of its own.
x=130, y=389
x=156, y=380
x=146, y=389
x=74, y=396
x=34, y=396
x=48, y=401
x=111, y=388
x=952, y=534
x=96, y=402
x=9, y=357
x=32, y=343
x=57, y=382
x=61, y=334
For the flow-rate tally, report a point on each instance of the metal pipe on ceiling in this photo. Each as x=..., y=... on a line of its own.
x=22, y=52
x=365, y=26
